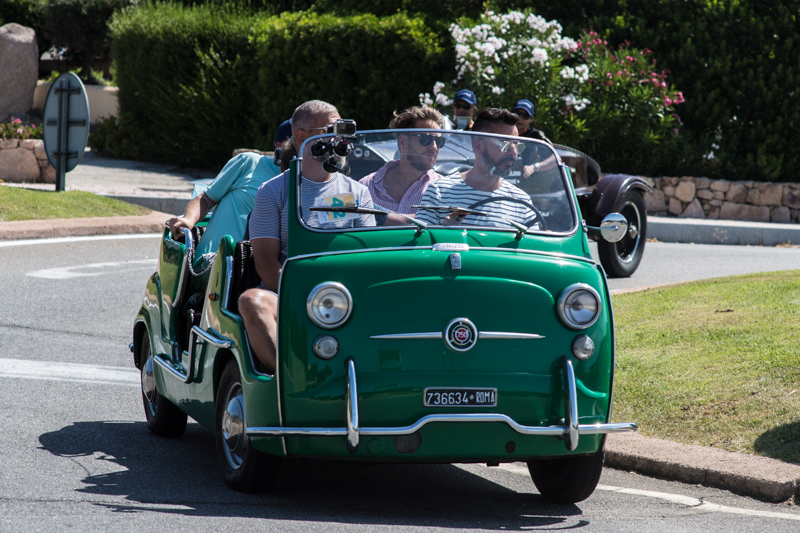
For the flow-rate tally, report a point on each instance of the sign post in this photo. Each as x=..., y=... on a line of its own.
x=66, y=125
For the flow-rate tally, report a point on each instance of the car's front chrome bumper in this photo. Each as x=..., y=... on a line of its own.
x=571, y=430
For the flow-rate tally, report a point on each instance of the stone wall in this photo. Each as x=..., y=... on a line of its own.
x=725, y=200
x=25, y=161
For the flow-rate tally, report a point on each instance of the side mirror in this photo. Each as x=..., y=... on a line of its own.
x=614, y=227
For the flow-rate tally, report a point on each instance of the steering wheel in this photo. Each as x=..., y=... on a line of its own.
x=539, y=218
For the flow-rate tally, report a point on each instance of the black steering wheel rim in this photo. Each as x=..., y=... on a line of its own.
x=539, y=218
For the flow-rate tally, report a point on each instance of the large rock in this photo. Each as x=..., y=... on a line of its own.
x=685, y=191
x=693, y=210
x=732, y=211
x=737, y=193
x=19, y=68
x=765, y=194
x=655, y=202
x=18, y=165
x=780, y=214
x=791, y=197
x=675, y=207
x=720, y=185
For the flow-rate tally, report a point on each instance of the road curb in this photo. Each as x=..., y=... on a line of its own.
x=748, y=475
x=80, y=227
x=699, y=231
x=157, y=203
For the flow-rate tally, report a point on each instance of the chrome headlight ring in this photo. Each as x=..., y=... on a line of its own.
x=329, y=305
x=579, y=306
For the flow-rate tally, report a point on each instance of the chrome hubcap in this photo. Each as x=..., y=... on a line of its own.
x=233, y=430
x=149, y=385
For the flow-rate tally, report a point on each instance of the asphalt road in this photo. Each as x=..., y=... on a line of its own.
x=75, y=454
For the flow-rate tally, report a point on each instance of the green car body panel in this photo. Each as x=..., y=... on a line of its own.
x=400, y=283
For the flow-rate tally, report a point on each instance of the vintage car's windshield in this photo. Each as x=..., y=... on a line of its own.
x=434, y=178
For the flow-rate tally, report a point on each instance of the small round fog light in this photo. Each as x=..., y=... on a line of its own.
x=325, y=347
x=582, y=347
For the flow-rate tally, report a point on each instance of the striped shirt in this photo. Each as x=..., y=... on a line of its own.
x=451, y=191
x=270, y=216
x=412, y=196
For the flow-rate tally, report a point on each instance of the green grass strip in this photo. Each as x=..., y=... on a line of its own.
x=32, y=204
x=715, y=363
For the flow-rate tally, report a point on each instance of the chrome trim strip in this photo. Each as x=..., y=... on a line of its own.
x=351, y=397
x=570, y=406
x=208, y=337
x=439, y=335
x=278, y=358
x=556, y=431
x=184, y=273
x=554, y=255
x=228, y=279
x=192, y=347
x=508, y=335
x=167, y=366
x=403, y=336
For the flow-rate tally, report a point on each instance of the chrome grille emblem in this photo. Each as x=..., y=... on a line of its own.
x=460, y=335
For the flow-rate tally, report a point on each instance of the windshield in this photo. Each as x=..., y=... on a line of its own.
x=434, y=178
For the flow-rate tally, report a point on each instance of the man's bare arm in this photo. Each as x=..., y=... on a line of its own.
x=266, y=253
x=196, y=210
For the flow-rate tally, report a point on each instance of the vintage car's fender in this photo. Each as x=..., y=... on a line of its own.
x=608, y=193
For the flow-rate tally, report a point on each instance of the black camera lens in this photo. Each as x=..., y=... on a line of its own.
x=320, y=148
x=330, y=165
x=343, y=149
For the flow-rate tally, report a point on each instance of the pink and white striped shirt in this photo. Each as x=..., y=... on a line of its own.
x=412, y=196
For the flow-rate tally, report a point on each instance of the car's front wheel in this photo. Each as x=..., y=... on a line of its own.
x=567, y=480
x=163, y=417
x=245, y=469
x=621, y=259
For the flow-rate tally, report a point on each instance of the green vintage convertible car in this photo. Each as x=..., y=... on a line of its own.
x=487, y=341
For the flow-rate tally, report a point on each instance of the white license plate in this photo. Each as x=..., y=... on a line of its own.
x=459, y=397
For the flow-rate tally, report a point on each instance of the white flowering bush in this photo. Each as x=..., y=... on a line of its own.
x=606, y=102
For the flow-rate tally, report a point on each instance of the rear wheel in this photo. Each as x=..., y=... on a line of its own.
x=567, y=480
x=621, y=259
x=163, y=417
x=245, y=469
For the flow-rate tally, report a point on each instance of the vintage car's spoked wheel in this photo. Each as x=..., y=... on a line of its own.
x=567, y=480
x=244, y=468
x=539, y=218
x=163, y=417
x=621, y=259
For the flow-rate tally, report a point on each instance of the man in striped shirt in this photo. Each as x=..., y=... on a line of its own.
x=401, y=183
x=483, y=184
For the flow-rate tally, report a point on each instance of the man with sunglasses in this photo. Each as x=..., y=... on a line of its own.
x=268, y=225
x=478, y=187
x=524, y=110
x=464, y=106
x=401, y=183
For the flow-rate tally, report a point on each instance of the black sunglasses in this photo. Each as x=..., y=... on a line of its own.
x=462, y=106
x=425, y=139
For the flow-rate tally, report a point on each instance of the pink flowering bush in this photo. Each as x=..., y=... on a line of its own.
x=611, y=103
x=16, y=129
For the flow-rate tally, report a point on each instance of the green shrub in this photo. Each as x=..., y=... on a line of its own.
x=81, y=27
x=186, y=79
x=365, y=65
x=30, y=13
x=16, y=129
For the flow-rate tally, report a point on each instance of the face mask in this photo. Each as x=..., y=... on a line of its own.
x=462, y=122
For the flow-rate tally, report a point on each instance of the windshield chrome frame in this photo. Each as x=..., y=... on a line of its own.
x=568, y=186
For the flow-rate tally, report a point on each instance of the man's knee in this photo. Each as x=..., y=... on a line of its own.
x=257, y=301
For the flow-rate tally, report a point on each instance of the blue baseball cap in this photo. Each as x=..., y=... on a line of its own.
x=525, y=105
x=466, y=95
x=283, y=132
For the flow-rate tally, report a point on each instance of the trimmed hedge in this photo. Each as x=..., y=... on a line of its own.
x=195, y=83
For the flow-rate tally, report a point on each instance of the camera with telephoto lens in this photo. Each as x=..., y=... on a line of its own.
x=339, y=146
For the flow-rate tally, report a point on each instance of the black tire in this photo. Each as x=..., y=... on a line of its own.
x=244, y=468
x=163, y=417
x=621, y=259
x=567, y=480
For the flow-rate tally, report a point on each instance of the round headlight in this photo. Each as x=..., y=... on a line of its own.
x=582, y=347
x=329, y=305
x=579, y=306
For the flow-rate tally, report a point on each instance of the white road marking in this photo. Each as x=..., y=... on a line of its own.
x=672, y=498
x=93, y=269
x=76, y=373
x=60, y=240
